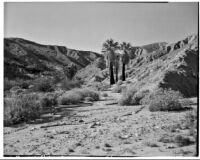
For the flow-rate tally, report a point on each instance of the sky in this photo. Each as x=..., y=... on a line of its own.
x=86, y=26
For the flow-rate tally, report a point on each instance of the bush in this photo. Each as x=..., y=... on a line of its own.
x=119, y=82
x=137, y=98
x=67, y=84
x=8, y=84
x=183, y=140
x=163, y=100
x=43, y=84
x=49, y=100
x=117, y=89
x=127, y=95
x=21, y=109
x=78, y=95
x=104, y=95
x=70, y=97
x=87, y=92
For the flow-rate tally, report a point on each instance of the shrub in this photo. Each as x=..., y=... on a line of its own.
x=21, y=109
x=191, y=122
x=117, y=89
x=136, y=99
x=127, y=95
x=119, y=82
x=70, y=97
x=87, y=92
x=183, y=140
x=67, y=84
x=163, y=100
x=104, y=95
x=43, y=84
x=49, y=100
x=8, y=84
x=78, y=95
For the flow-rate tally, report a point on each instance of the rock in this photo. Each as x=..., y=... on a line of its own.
x=170, y=147
x=107, y=145
x=71, y=150
x=124, y=136
x=81, y=121
x=46, y=116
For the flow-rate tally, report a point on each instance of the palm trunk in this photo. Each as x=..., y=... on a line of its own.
x=123, y=72
x=112, y=80
x=116, y=74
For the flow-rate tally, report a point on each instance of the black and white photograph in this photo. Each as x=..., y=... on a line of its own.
x=100, y=79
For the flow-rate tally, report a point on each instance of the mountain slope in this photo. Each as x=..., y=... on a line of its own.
x=174, y=68
x=27, y=59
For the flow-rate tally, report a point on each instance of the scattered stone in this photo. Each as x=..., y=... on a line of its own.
x=107, y=145
x=170, y=147
x=124, y=136
x=81, y=121
x=71, y=150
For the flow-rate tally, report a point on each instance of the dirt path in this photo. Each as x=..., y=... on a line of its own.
x=100, y=130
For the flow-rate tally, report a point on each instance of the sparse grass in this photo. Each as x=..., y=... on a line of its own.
x=163, y=100
x=22, y=108
x=78, y=95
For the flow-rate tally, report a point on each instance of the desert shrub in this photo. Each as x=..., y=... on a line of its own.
x=88, y=99
x=78, y=95
x=119, y=82
x=8, y=84
x=43, y=84
x=166, y=139
x=48, y=100
x=104, y=95
x=24, y=84
x=183, y=140
x=191, y=122
x=68, y=84
x=117, y=89
x=88, y=92
x=70, y=97
x=163, y=100
x=21, y=109
x=137, y=97
x=127, y=95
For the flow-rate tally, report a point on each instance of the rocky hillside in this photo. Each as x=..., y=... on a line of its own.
x=167, y=66
x=26, y=59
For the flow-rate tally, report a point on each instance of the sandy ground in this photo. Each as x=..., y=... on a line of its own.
x=100, y=130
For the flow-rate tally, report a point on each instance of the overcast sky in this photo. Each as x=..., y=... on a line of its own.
x=87, y=25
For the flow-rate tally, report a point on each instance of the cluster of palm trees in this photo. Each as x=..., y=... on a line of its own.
x=115, y=54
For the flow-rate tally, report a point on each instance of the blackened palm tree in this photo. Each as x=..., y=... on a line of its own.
x=116, y=64
x=109, y=50
x=126, y=48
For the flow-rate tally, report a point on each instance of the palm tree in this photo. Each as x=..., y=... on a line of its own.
x=126, y=48
x=109, y=50
x=116, y=64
